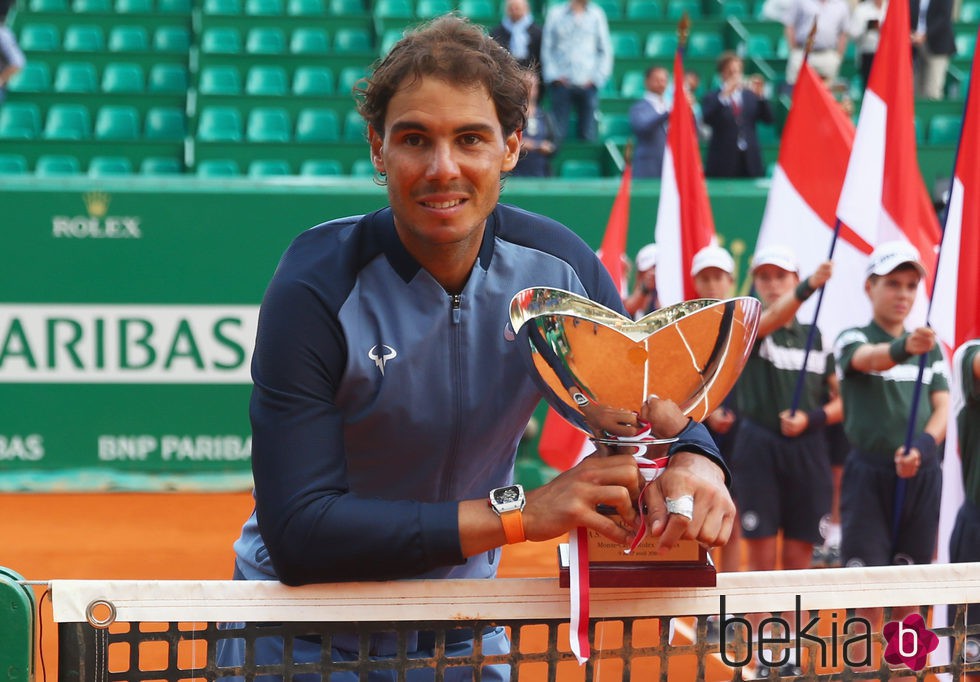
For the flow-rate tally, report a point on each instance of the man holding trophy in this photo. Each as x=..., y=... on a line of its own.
x=390, y=392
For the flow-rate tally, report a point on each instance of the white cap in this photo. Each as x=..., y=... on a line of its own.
x=646, y=257
x=889, y=255
x=780, y=256
x=712, y=257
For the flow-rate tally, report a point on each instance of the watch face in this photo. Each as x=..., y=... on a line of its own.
x=506, y=495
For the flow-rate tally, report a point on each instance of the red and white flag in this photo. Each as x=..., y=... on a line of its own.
x=801, y=207
x=955, y=313
x=884, y=197
x=685, y=223
x=561, y=445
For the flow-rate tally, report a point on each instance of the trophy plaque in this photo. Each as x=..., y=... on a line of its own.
x=592, y=362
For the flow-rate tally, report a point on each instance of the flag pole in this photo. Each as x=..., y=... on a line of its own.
x=811, y=335
x=902, y=484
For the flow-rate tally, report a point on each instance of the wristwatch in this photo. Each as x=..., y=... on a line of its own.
x=508, y=502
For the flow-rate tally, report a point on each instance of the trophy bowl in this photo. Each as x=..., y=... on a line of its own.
x=595, y=362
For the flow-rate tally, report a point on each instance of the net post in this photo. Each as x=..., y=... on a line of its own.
x=17, y=627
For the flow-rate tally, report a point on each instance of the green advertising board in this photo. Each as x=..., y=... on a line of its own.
x=128, y=310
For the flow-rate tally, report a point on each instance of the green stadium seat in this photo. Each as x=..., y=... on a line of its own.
x=351, y=40
x=309, y=41
x=612, y=8
x=704, y=44
x=164, y=123
x=264, y=168
x=479, y=11
x=313, y=81
x=644, y=9
x=265, y=40
x=134, y=6
x=217, y=40
x=735, y=8
x=782, y=48
x=625, y=44
x=160, y=165
x=19, y=121
x=123, y=78
x=346, y=7
x=128, y=39
x=428, y=9
x=174, y=6
x=12, y=164
x=220, y=124
x=321, y=167
x=101, y=166
x=117, y=122
x=394, y=9
x=348, y=78
x=362, y=168
x=263, y=8
x=56, y=164
x=388, y=40
x=171, y=39
x=34, y=77
x=266, y=80
x=970, y=13
x=355, y=128
x=220, y=80
x=634, y=84
x=306, y=8
x=268, y=124
x=41, y=6
x=75, y=77
x=39, y=38
x=760, y=46
x=317, y=125
x=767, y=133
x=678, y=8
x=615, y=126
x=920, y=133
x=91, y=6
x=966, y=43
x=84, y=38
x=223, y=7
x=660, y=45
x=944, y=129
x=167, y=78
x=579, y=168
x=217, y=168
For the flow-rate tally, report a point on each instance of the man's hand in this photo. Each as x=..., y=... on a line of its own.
x=720, y=420
x=907, y=465
x=821, y=275
x=793, y=424
x=714, y=512
x=920, y=341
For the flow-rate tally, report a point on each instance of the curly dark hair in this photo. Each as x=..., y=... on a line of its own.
x=452, y=49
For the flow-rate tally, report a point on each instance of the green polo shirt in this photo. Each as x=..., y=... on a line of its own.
x=767, y=383
x=968, y=421
x=877, y=405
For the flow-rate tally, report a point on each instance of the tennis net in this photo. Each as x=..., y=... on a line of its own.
x=423, y=630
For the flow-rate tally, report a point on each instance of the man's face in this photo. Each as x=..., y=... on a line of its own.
x=892, y=295
x=732, y=70
x=657, y=81
x=443, y=151
x=771, y=282
x=713, y=283
x=516, y=9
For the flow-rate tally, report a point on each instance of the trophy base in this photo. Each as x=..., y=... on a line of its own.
x=686, y=565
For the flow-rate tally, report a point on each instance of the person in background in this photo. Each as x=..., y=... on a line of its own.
x=643, y=298
x=934, y=43
x=520, y=35
x=540, y=139
x=732, y=112
x=833, y=19
x=12, y=58
x=865, y=30
x=648, y=121
x=576, y=62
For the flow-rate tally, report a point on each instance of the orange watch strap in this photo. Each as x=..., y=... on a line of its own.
x=513, y=522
